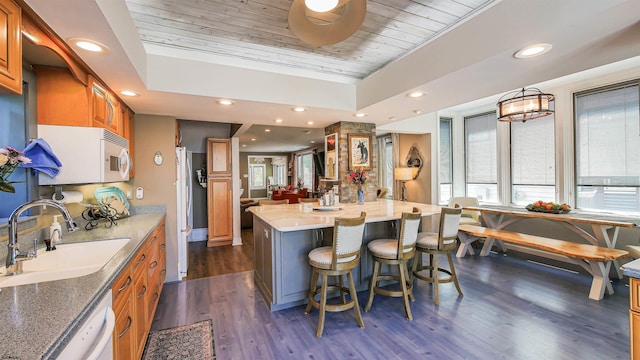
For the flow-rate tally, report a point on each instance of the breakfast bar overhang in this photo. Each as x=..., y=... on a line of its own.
x=284, y=235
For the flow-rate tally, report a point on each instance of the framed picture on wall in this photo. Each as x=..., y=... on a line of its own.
x=360, y=151
x=331, y=157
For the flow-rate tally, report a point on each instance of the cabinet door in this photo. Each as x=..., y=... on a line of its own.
x=10, y=47
x=218, y=157
x=127, y=132
x=140, y=312
x=219, y=211
x=124, y=334
x=98, y=104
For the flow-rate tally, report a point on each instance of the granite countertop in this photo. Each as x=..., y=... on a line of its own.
x=632, y=268
x=39, y=319
x=302, y=216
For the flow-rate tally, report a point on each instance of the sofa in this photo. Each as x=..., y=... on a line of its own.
x=292, y=196
x=246, y=218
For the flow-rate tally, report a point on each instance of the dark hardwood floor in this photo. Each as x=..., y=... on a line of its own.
x=205, y=262
x=511, y=309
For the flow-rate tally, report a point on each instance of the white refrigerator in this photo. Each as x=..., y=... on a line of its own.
x=184, y=197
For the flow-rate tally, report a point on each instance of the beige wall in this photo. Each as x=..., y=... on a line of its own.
x=157, y=133
x=418, y=190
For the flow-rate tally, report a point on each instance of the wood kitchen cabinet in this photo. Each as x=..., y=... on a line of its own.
x=104, y=110
x=136, y=292
x=218, y=157
x=10, y=47
x=634, y=317
x=219, y=192
x=126, y=116
x=123, y=307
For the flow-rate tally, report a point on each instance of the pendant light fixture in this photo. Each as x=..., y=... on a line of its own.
x=321, y=5
x=327, y=27
x=523, y=105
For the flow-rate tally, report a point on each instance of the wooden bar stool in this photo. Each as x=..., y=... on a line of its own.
x=395, y=252
x=337, y=260
x=434, y=244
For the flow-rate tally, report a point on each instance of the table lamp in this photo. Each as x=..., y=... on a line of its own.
x=404, y=175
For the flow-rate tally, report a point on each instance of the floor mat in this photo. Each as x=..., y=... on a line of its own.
x=193, y=341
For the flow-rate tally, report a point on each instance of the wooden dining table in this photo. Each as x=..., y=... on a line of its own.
x=604, y=226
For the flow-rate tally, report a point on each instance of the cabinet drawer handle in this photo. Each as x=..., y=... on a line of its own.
x=144, y=256
x=163, y=245
x=154, y=239
x=126, y=285
x=153, y=265
x=127, y=328
x=144, y=291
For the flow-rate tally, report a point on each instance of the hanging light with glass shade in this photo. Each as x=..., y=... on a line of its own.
x=523, y=105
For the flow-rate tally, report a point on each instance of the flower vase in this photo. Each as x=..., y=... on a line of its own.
x=360, y=195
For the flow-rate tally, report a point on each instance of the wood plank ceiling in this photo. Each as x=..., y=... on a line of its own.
x=257, y=31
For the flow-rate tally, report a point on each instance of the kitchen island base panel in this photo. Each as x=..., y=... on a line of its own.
x=282, y=272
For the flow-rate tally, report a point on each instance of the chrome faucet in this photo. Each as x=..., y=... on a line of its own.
x=14, y=256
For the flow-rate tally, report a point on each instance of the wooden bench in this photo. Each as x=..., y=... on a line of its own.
x=595, y=259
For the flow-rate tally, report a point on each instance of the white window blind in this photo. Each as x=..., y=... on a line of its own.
x=533, y=160
x=481, y=156
x=445, y=174
x=608, y=148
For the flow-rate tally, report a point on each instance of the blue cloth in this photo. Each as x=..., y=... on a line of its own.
x=42, y=158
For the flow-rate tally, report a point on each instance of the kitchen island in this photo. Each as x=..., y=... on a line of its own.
x=39, y=319
x=284, y=234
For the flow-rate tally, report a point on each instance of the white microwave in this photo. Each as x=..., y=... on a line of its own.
x=88, y=155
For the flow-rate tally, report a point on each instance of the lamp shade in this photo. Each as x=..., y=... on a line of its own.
x=523, y=105
x=403, y=174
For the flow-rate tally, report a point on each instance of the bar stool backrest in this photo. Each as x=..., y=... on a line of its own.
x=409, y=226
x=449, y=222
x=347, y=241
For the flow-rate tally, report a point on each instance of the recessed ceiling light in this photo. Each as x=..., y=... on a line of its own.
x=359, y=115
x=532, y=51
x=88, y=45
x=244, y=145
x=299, y=109
x=278, y=120
x=417, y=111
x=321, y=5
x=267, y=130
x=225, y=102
x=416, y=94
x=253, y=139
x=392, y=118
x=313, y=141
x=128, y=93
x=309, y=122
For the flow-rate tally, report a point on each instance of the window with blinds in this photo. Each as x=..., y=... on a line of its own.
x=533, y=163
x=445, y=173
x=481, y=156
x=607, y=142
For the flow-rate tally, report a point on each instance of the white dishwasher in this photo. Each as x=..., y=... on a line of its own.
x=93, y=341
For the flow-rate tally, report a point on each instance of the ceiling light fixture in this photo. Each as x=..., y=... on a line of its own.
x=359, y=115
x=278, y=120
x=88, y=45
x=532, y=51
x=417, y=111
x=267, y=130
x=128, y=93
x=299, y=109
x=321, y=5
x=309, y=122
x=416, y=94
x=225, y=102
x=523, y=105
x=253, y=139
x=329, y=27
